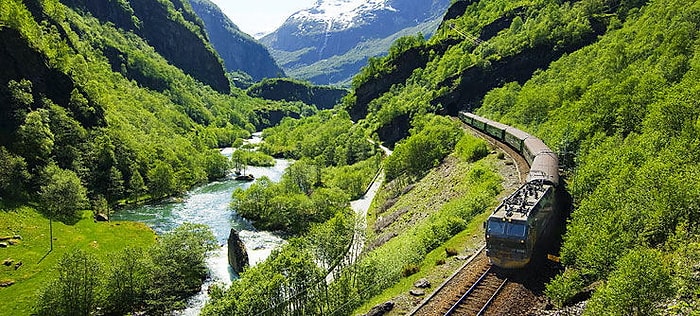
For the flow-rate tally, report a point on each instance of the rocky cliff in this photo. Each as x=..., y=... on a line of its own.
x=323, y=97
x=237, y=254
x=240, y=52
x=173, y=30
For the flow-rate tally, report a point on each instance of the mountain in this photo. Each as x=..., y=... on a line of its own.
x=180, y=38
x=240, y=52
x=330, y=42
x=322, y=97
x=125, y=94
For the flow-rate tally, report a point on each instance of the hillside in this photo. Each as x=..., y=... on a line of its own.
x=612, y=87
x=322, y=97
x=179, y=38
x=329, y=43
x=97, y=100
x=239, y=51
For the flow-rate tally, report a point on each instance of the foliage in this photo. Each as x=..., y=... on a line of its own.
x=118, y=113
x=638, y=283
x=62, y=195
x=75, y=291
x=471, y=148
x=328, y=137
x=564, y=287
x=179, y=266
x=623, y=114
x=157, y=280
x=420, y=152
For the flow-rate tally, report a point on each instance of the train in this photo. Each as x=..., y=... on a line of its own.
x=527, y=216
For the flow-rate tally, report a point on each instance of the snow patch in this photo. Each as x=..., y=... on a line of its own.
x=341, y=14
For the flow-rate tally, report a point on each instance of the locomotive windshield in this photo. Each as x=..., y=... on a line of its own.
x=506, y=229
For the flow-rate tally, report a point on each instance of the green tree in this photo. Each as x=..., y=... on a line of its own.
x=61, y=195
x=179, y=266
x=13, y=174
x=127, y=281
x=136, y=187
x=161, y=180
x=216, y=165
x=639, y=283
x=75, y=290
x=35, y=140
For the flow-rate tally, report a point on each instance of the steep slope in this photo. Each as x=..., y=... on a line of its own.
x=322, y=97
x=98, y=100
x=330, y=42
x=612, y=86
x=171, y=28
x=240, y=52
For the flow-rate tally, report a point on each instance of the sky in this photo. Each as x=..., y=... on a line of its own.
x=259, y=17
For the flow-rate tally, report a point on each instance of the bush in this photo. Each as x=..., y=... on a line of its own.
x=410, y=269
x=636, y=287
x=471, y=148
x=450, y=252
x=564, y=287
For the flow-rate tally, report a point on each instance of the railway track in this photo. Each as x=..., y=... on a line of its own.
x=464, y=290
x=476, y=300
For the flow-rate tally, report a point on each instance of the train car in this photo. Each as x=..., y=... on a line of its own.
x=479, y=122
x=516, y=138
x=496, y=130
x=521, y=220
x=545, y=167
x=466, y=117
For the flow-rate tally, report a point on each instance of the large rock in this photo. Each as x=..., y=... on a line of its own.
x=237, y=255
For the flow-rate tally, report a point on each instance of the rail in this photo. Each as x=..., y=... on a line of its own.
x=475, y=288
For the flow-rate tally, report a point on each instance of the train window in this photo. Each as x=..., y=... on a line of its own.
x=500, y=228
x=516, y=230
x=497, y=228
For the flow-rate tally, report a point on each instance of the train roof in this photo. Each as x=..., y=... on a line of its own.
x=519, y=205
x=518, y=133
x=545, y=167
x=498, y=125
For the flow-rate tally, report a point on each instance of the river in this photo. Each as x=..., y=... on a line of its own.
x=210, y=205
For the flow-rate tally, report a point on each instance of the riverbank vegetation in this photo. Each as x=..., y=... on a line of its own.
x=290, y=280
x=334, y=164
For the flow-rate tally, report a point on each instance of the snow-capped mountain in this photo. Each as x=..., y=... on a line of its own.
x=341, y=14
x=330, y=42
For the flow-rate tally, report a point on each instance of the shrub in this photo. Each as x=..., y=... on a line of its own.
x=637, y=285
x=410, y=269
x=471, y=148
x=564, y=287
x=450, y=252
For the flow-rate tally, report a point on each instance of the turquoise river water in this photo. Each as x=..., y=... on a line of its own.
x=210, y=205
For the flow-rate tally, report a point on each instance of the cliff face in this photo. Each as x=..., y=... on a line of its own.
x=239, y=51
x=18, y=61
x=288, y=90
x=171, y=28
x=237, y=254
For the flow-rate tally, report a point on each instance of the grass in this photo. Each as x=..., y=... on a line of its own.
x=468, y=240
x=445, y=195
x=99, y=238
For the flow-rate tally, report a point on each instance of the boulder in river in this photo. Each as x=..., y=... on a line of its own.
x=237, y=254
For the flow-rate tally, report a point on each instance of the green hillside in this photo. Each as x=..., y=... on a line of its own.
x=98, y=109
x=612, y=86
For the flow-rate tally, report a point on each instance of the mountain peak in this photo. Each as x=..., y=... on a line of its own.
x=341, y=14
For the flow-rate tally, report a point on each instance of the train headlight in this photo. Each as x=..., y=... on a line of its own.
x=522, y=241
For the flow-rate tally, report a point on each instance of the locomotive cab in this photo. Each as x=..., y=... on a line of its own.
x=508, y=243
